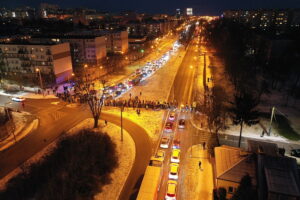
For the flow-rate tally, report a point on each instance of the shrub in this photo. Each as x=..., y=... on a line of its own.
x=77, y=168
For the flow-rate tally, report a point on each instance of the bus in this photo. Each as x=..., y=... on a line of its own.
x=151, y=181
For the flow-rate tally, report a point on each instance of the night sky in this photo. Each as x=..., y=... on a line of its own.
x=211, y=7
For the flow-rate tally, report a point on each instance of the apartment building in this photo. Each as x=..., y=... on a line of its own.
x=278, y=19
x=25, y=61
x=85, y=49
x=117, y=41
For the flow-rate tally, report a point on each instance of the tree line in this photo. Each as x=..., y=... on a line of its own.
x=253, y=68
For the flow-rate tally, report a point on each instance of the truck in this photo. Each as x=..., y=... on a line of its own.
x=151, y=181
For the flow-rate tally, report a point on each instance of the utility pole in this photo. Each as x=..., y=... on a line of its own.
x=271, y=120
x=273, y=116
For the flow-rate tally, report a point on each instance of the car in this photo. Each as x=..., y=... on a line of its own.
x=175, y=158
x=18, y=99
x=176, y=144
x=160, y=154
x=164, y=142
x=174, y=170
x=169, y=127
x=171, y=190
x=172, y=116
x=118, y=93
x=181, y=123
x=295, y=153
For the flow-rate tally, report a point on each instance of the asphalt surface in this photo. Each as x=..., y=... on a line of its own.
x=51, y=128
x=53, y=115
x=181, y=92
x=143, y=153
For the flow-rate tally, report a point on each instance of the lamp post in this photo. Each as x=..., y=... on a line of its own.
x=84, y=68
x=40, y=77
x=72, y=75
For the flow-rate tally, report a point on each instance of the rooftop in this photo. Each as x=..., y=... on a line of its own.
x=232, y=164
x=256, y=146
x=281, y=176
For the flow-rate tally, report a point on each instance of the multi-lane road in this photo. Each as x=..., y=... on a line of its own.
x=53, y=115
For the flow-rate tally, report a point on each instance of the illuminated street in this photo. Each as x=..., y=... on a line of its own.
x=119, y=103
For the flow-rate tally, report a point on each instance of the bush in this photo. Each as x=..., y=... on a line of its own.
x=77, y=168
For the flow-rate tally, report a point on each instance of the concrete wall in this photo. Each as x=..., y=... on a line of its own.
x=100, y=45
x=62, y=62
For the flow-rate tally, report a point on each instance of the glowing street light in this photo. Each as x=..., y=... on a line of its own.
x=40, y=77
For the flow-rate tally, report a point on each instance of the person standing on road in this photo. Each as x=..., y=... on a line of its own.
x=105, y=122
x=203, y=145
x=200, y=165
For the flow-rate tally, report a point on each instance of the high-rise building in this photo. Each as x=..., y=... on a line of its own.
x=189, y=11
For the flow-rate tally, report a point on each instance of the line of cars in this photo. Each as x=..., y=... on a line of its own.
x=173, y=173
x=116, y=90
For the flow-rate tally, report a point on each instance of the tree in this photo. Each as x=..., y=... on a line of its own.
x=242, y=110
x=245, y=190
x=95, y=99
x=222, y=193
x=216, y=115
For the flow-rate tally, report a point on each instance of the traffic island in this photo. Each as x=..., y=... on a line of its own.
x=17, y=127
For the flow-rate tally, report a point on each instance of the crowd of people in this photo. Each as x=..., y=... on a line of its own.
x=138, y=103
x=135, y=102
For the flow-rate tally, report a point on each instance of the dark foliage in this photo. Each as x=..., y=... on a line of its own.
x=243, y=110
x=76, y=169
x=222, y=194
x=3, y=118
x=245, y=190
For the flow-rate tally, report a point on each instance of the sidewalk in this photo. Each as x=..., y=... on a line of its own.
x=197, y=183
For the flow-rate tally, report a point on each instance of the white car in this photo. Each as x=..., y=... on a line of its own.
x=18, y=99
x=171, y=190
x=181, y=123
x=164, y=142
x=174, y=170
x=175, y=158
x=172, y=116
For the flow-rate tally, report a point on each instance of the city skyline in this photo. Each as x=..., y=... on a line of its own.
x=203, y=7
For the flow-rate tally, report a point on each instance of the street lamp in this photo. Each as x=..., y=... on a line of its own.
x=72, y=75
x=40, y=77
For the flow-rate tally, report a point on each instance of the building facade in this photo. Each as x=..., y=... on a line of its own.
x=265, y=19
x=24, y=61
x=117, y=41
x=85, y=49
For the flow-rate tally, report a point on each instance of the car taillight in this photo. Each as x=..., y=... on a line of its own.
x=171, y=195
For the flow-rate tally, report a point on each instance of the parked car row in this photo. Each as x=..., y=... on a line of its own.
x=116, y=90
